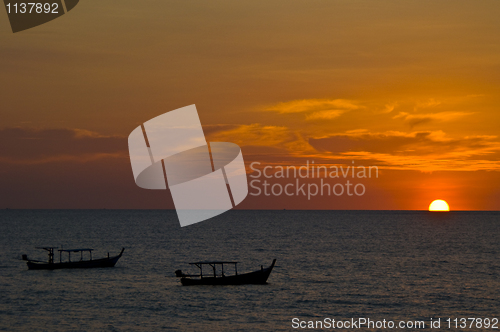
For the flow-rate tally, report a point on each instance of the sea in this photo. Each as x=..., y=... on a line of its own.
x=341, y=266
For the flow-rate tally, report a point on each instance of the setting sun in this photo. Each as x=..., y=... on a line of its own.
x=439, y=205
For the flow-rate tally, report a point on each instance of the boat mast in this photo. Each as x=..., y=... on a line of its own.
x=51, y=253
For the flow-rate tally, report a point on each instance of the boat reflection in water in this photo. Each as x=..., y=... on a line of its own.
x=256, y=277
x=78, y=264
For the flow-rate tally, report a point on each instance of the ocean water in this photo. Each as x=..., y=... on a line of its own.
x=392, y=265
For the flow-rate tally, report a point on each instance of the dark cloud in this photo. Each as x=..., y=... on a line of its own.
x=70, y=168
x=212, y=129
x=419, y=121
x=37, y=145
x=418, y=143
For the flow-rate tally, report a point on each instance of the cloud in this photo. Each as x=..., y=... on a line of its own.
x=30, y=145
x=325, y=115
x=417, y=150
x=422, y=150
x=418, y=119
x=429, y=103
x=394, y=142
x=254, y=134
x=316, y=109
x=216, y=128
x=275, y=144
x=388, y=108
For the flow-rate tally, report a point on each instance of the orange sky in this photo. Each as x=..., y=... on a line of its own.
x=409, y=86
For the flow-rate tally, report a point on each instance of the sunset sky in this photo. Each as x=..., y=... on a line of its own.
x=412, y=87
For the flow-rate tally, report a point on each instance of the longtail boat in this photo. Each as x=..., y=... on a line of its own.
x=212, y=278
x=69, y=264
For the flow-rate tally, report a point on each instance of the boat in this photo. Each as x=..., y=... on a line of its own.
x=256, y=277
x=69, y=264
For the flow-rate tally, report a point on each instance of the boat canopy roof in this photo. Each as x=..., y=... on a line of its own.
x=65, y=250
x=75, y=250
x=213, y=262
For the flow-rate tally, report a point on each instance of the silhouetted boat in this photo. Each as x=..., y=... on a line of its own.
x=256, y=277
x=80, y=264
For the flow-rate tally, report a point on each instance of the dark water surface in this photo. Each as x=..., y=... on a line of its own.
x=340, y=264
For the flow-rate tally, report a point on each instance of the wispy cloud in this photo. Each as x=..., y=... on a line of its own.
x=316, y=109
x=414, y=143
x=423, y=150
x=416, y=150
x=418, y=119
x=325, y=115
x=254, y=134
x=432, y=102
x=388, y=108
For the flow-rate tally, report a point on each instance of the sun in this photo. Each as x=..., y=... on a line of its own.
x=439, y=205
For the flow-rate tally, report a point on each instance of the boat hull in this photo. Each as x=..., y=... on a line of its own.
x=257, y=277
x=96, y=263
